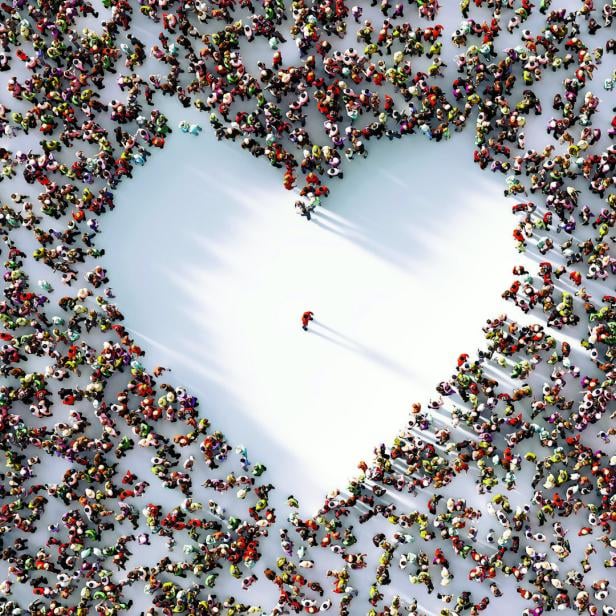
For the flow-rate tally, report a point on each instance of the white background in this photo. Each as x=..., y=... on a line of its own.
x=213, y=269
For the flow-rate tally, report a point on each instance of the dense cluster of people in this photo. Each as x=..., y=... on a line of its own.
x=526, y=418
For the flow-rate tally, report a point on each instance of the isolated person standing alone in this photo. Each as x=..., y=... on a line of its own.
x=306, y=318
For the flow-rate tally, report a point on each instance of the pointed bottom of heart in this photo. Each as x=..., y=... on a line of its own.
x=213, y=270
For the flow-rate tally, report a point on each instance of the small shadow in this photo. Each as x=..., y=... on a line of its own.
x=354, y=347
x=331, y=229
x=335, y=332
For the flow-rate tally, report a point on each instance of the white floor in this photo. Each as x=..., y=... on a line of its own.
x=213, y=269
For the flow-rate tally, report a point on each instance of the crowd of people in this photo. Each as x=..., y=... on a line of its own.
x=526, y=419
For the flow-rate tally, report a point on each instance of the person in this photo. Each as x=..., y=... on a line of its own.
x=304, y=209
x=306, y=318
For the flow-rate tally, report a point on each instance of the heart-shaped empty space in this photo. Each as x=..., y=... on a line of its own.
x=213, y=270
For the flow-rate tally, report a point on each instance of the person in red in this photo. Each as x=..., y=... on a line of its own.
x=306, y=318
